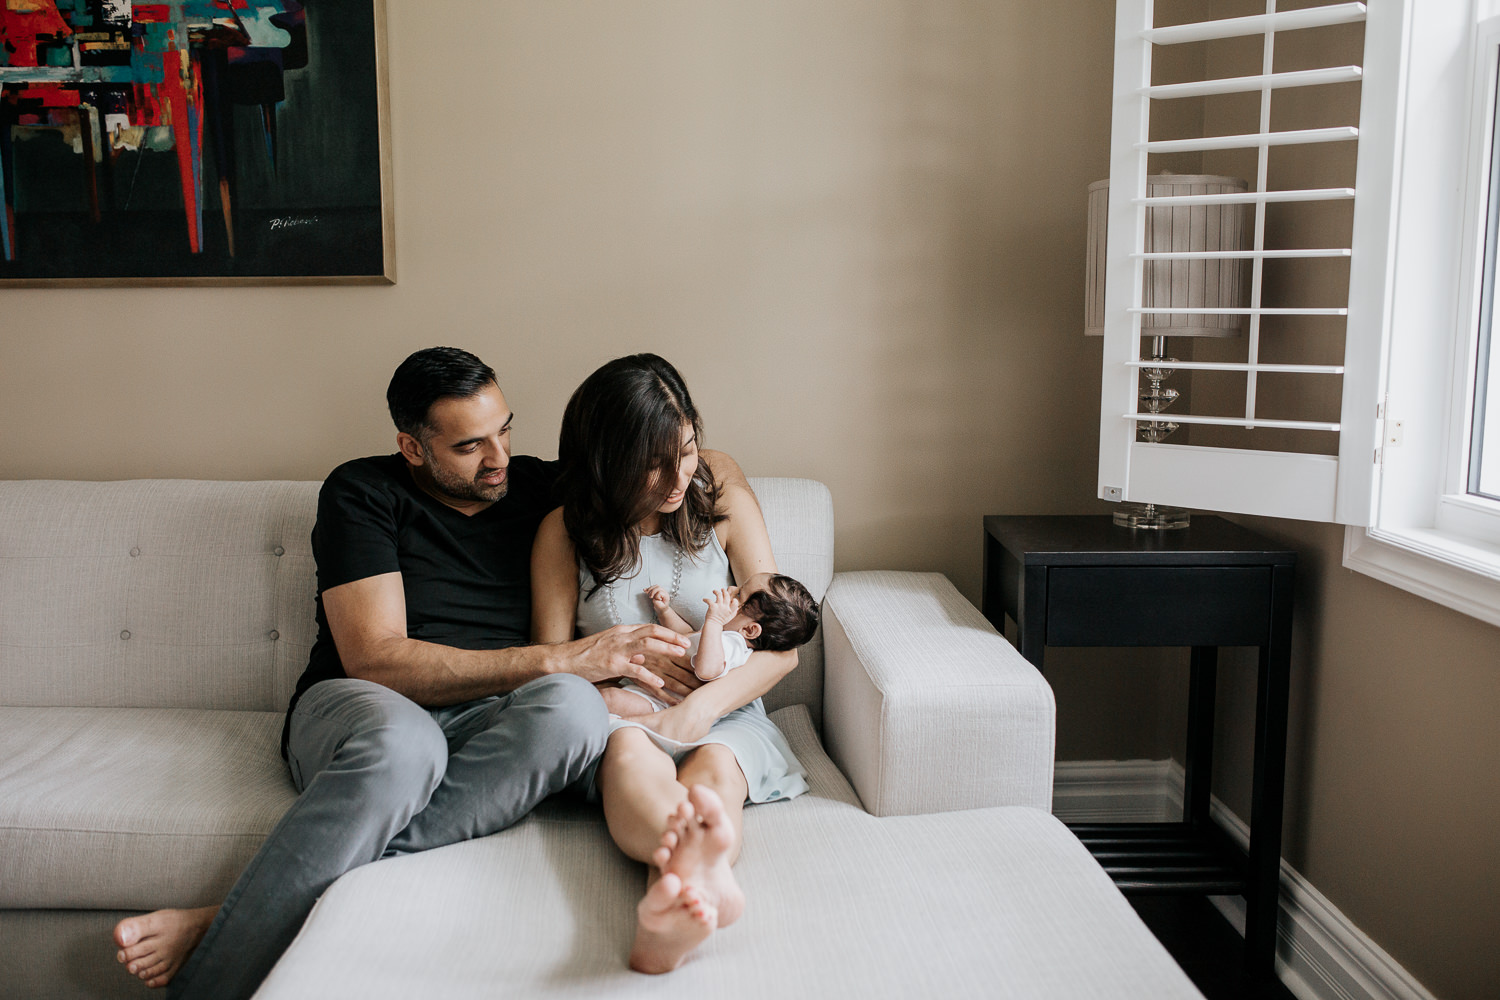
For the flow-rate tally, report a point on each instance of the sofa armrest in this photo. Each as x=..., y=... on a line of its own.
x=926, y=708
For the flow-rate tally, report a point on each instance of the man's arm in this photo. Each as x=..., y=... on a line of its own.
x=368, y=621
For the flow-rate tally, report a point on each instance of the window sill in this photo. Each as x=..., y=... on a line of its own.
x=1456, y=572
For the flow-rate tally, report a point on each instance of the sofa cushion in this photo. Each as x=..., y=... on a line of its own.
x=989, y=902
x=155, y=593
x=129, y=808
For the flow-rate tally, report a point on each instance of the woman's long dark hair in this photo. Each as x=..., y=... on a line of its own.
x=623, y=424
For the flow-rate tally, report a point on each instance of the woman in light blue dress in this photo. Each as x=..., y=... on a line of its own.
x=641, y=507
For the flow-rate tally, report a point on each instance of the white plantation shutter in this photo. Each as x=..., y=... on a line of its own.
x=1255, y=480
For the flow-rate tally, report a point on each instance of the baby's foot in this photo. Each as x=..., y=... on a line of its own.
x=154, y=945
x=697, y=847
x=625, y=703
x=671, y=920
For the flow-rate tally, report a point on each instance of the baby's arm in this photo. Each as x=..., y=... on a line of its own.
x=709, y=663
x=664, y=613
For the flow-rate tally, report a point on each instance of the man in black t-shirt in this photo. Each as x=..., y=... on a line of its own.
x=423, y=717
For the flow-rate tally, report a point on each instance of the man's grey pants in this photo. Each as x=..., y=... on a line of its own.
x=379, y=775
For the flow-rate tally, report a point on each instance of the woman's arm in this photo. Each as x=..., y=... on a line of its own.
x=743, y=533
x=554, y=582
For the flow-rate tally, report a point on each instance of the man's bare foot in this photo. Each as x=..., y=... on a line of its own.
x=671, y=920
x=154, y=945
x=697, y=847
x=625, y=703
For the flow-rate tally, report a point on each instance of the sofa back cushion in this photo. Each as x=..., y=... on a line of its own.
x=155, y=593
x=191, y=594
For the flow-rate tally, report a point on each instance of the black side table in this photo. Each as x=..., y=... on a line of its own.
x=1083, y=581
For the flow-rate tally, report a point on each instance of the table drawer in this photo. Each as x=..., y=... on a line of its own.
x=1158, y=605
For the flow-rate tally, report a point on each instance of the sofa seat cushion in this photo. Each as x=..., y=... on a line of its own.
x=129, y=808
x=989, y=902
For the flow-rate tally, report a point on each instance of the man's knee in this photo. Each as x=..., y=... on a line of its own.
x=390, y=744
x=406, y=758
x=576, y=715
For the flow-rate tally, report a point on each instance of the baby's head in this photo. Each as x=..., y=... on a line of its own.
x=780, y=613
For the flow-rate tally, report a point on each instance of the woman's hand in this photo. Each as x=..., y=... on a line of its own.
x=683, y=722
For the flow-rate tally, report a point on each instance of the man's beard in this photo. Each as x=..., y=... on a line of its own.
x=457, y=488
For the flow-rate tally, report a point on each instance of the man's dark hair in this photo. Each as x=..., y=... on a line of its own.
x=787, y=614
x=429, y=375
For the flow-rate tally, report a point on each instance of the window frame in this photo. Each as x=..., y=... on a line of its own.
x=1428, y=534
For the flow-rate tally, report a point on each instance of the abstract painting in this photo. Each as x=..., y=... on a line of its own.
x=193, y=142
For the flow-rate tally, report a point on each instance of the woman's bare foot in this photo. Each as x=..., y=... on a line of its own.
x=672, y=920
x=154, y=945
x=697, y=848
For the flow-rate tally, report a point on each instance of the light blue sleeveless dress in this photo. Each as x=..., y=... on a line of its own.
x=771, y=771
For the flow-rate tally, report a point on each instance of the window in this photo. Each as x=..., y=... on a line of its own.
x=1366, y=391
x=1435, y=532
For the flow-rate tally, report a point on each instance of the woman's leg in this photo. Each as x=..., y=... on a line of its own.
x=704, y=841
x=687, y=834
x=639, y=787
x=642, y=798
x=715, y=766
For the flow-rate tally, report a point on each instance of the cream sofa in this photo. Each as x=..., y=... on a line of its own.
x=150, y=634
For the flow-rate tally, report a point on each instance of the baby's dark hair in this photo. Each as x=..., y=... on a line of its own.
x=787, y=614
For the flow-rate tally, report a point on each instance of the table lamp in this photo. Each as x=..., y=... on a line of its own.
x=1191, y=260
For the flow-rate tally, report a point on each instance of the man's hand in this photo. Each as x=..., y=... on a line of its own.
x=722, y=606
x=676, y=673
x=623, y=651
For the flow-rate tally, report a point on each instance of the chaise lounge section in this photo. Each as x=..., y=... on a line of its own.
x=150, y=633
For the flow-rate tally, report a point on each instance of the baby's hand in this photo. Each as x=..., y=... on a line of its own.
x=722, y=606
x=659, y=597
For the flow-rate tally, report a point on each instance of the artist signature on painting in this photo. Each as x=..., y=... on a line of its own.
x=292, y=221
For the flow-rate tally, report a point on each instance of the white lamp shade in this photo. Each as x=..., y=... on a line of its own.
x=1200, y=284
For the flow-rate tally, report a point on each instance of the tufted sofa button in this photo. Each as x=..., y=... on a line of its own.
x=275, y=634
x=279, y=550
x=125, y=633
x=135, y=550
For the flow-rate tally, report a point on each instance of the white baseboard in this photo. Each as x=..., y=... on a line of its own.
x=1320, y=954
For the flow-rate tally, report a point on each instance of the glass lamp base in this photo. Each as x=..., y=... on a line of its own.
x=1150, y=516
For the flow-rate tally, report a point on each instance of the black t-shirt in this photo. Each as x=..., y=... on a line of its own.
x=467, y=578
